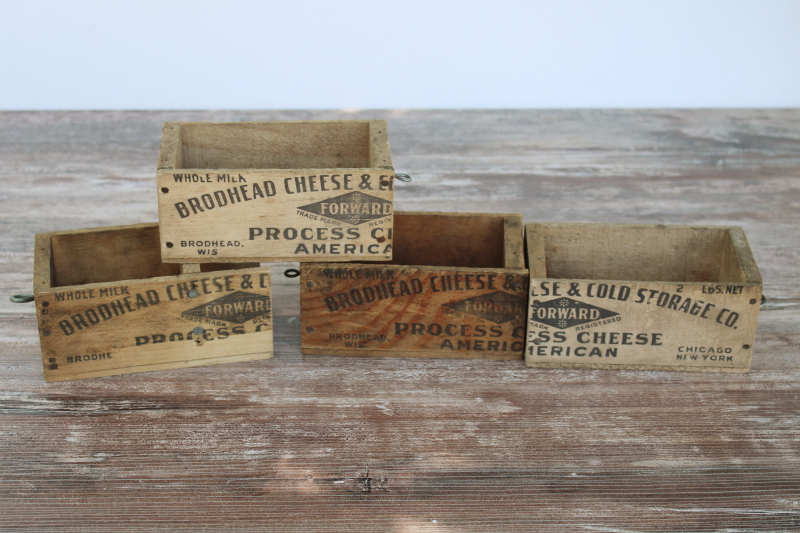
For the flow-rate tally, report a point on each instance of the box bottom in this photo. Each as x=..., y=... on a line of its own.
x=670, y=368
x=430, y=354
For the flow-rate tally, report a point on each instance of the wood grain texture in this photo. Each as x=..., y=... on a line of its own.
x=320, y=443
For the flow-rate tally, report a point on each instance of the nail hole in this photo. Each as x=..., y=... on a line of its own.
x=753, y=301
x=51, y=360
x=537, y=341
x=45, y=304
x=385, y=183
x=310, y=329
x=536, y=302
x=46, y=332
x=746, y=346
x=170, y=245
x=310, y=284
x=54, y=367
x=381, y=239
x=164, y=190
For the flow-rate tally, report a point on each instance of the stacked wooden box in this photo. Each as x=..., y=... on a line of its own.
x=191, y=290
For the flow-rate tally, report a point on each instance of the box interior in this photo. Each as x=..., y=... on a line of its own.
x=274, y=145
x=475, y=241
x=111, y=255
x=633, y=253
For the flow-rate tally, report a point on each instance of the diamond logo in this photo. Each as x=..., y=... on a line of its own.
x=497, y=307
x=238, y=307
x=353, y=208
x=563, y=313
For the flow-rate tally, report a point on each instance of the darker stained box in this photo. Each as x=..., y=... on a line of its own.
x=456, y=287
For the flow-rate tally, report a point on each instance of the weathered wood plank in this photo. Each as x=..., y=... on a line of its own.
x=450, y=445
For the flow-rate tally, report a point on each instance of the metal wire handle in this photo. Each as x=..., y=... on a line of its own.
x=21, y=298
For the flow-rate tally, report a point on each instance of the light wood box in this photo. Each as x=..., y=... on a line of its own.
x=275, y=191
x=107, y=305
x=456, y=287
x=645, y=297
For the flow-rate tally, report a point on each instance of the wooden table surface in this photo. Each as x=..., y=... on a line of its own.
x=321, y=443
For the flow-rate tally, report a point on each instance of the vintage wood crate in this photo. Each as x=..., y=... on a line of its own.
x=456, y=287
x=106, y=305
x=647, y=297
x=275, y=191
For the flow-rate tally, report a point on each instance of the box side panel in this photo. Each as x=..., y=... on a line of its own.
x=108, y=255
x=633, y=252
x=276, y=145
x=327, y=215
x=42, y=263
x=513, y=247
x=380, y=154
x=170, y=322
x=730, y=269
x=170, y=154
x=534, y=251
x=472, y=240
x=742, y=264
x=407, y=310
x=242, y=349
x=671, y=326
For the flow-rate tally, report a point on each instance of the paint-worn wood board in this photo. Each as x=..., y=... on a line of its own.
x=107, y=305
x=275, y=191
x=284, y=444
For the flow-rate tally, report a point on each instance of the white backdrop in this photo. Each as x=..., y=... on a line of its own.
x=239, y=54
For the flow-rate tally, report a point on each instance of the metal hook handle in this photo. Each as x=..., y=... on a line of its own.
x=402, y=177
x=21, y=298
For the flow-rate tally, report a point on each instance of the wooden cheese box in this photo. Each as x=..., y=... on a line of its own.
x=275, y=191
x=645, y=297
x=107, y=305
x=456, y=287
